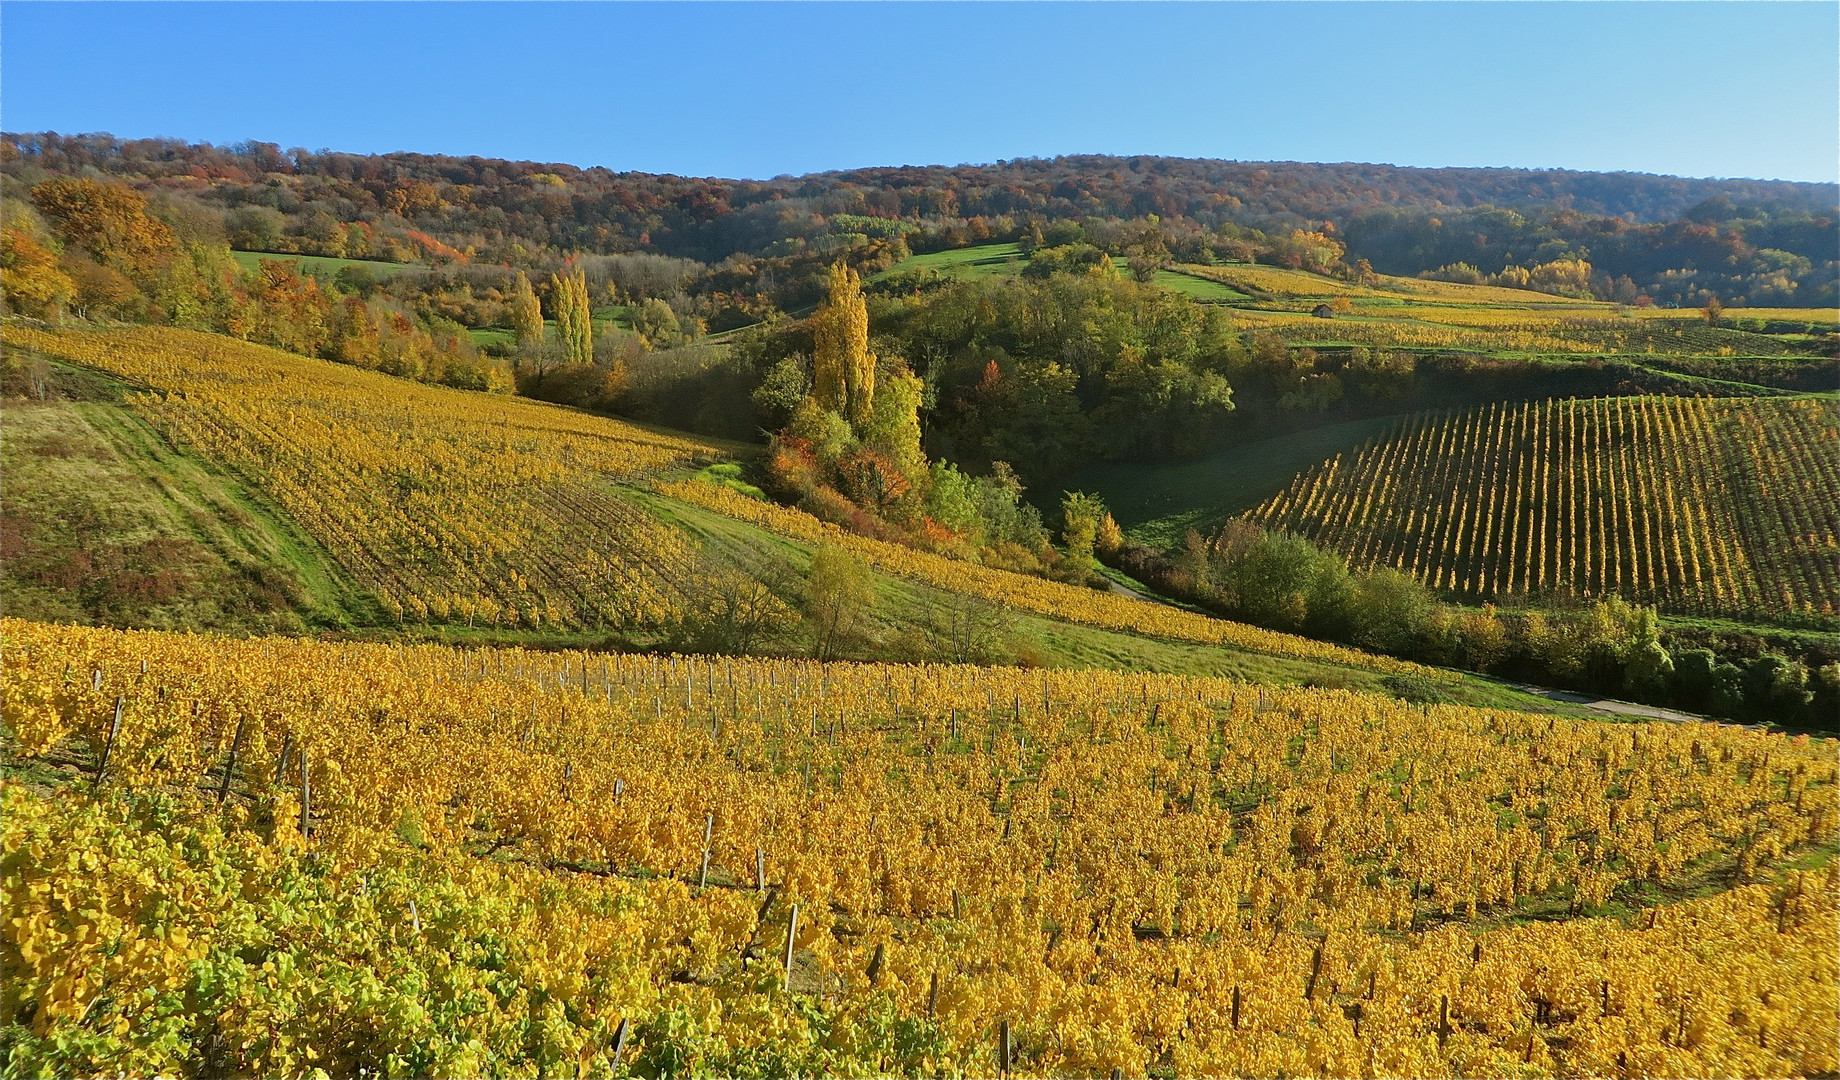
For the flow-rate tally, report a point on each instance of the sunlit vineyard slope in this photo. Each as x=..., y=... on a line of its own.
x=435, y=861
x=448, y=505
x=1718, y=507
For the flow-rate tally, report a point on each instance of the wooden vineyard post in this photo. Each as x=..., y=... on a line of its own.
x=1443, y=1029
x=1236, y=1008
x=108, y=748
x=709, y=826
x=619, y=1040
x=287, y=747
x=792, y=933
x=876, y=963
x=932, y=995
x=1005, y=1050
x=760, y=869
x=306, y=796
x=236, y=743
x=1309, y=989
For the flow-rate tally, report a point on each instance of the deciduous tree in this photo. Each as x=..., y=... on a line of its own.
x=838, y=599
x=843, y=368
x=574, y=327
x=526, y=313
x=29, y=275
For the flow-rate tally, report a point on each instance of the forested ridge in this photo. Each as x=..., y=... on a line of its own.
x=1673, y=236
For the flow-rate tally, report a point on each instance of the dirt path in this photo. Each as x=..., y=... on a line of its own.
x=1609, y=705
x=1125, y=590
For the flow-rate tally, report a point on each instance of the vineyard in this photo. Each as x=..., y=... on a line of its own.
x=1726, y=507
x=1410, y=313
x=428, y=861
x=1284, y=284
x=472, y=509
x=448, y=506
x=1515, y=330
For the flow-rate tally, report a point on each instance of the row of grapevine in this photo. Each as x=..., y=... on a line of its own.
x=1725, y=507
x=1104, y=871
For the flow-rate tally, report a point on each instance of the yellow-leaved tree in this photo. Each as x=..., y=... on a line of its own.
x=569, y=295
x=30, y=279
x=526, y=313
x=843, y=368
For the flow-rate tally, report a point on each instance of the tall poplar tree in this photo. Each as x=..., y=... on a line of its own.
x=573, y=324
x=843, y=368
x=526, y=313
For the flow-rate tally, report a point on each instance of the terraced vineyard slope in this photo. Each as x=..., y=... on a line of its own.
x=309, y=856
x=1725, y=507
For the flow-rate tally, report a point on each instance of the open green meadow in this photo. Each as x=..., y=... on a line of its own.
x=320, y=265
x=972, y=263
x=992, y=260
x=1157, y=503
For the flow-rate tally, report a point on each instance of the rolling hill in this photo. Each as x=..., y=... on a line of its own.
x=455, y=785
x=378, y=506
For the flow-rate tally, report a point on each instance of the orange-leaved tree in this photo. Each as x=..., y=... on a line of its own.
x=30, y=278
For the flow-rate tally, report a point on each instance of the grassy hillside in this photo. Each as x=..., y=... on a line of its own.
x=991, y=260
x=107, y=522
x=1157, y=503
x=1718, y=507
x=970, y=263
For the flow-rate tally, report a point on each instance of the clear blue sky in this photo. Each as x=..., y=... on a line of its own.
x=755, y=90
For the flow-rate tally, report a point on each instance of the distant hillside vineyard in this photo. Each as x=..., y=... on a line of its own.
x=1727, y=507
